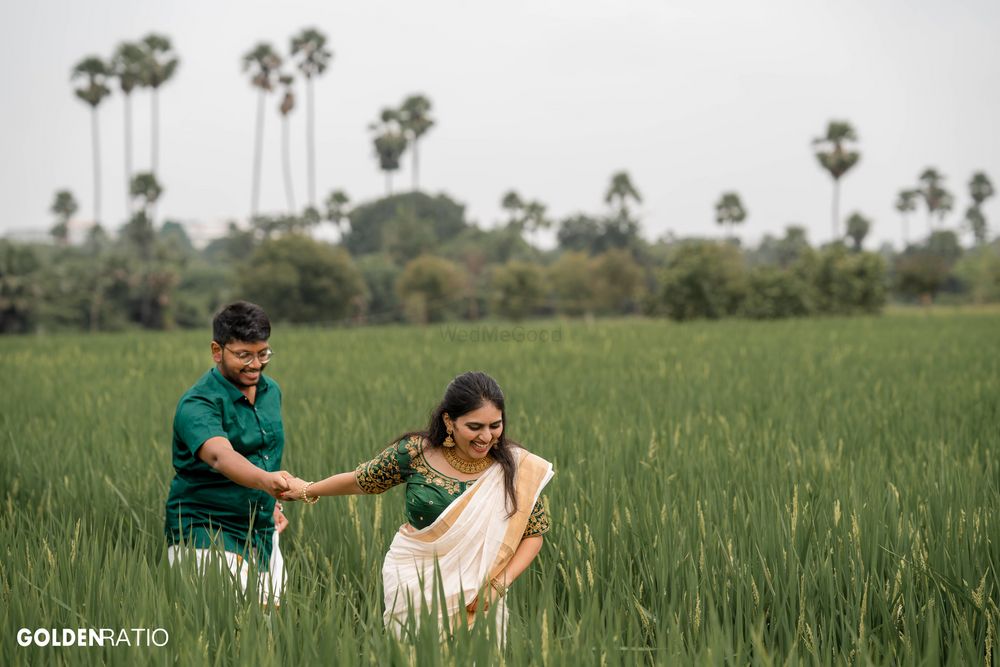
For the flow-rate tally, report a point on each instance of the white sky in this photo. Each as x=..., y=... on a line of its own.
x=691, y=98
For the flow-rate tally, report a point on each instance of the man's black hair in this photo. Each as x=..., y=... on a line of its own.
x=241, y=321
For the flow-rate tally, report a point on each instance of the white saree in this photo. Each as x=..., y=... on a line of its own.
x=470, y=542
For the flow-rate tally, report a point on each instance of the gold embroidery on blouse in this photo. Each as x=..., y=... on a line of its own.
x=538, y=522
x=415, y=448
x=381, y=473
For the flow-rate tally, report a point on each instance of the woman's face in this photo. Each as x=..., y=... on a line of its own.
x=476, y=432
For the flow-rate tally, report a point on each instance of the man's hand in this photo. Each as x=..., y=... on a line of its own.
x=275, y=483
x=280, y=521
x=295, y=486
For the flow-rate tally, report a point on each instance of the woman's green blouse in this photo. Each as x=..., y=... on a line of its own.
x=428, y=491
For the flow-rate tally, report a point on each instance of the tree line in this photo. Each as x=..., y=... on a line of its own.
x=413, y=256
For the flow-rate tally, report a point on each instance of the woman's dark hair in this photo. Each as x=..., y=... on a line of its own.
x=467, y=392
x=241, y=321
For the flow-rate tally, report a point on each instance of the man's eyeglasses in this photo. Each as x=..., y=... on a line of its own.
x=246, y=358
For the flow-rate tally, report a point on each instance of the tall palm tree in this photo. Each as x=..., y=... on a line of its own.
x=416, y=120
x=263, y=63
x=837, y=160
x=906, y=203
x=514, y=205
x=621, y=190
x=127, y=66
x=159, y=65
x=937, y=198
x=310, y=46
x=858, y=227
x=729, y=210
x=95, y=72
x=390, y=143
x=63, y=207
x=336, y=209
x=535, y=218
x=980, y=188
x=141, y=231
x=976, y=222
x=286, y=106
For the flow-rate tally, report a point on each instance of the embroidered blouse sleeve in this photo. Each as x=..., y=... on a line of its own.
x=384, y=471
x=538, y=522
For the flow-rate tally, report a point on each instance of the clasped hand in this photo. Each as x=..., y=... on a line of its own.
x=293, y=488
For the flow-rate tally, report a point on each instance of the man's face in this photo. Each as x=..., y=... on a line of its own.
x=239, y=362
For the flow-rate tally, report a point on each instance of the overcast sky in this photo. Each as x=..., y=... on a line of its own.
x=549, y=98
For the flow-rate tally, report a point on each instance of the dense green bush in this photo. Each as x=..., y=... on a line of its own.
x=845, y=282
x=297, y=279
x=979, y=273
x=619, y=283
x=389, y=218
x=571, y=284
x=380, y=273
x=518, y=289
x=19, y=289
x=774, y=293
x=430, y=289
x=703, y=279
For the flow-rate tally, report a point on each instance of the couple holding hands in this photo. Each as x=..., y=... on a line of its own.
x=474, y=516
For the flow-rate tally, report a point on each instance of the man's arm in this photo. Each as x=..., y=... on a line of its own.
x=218, y=452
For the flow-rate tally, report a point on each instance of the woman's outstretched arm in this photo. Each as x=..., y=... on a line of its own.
x=375, y=476
x=341, y=484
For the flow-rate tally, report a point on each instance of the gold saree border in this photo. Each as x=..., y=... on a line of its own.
x=531, y=472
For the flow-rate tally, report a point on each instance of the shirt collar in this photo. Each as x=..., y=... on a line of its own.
x=232, y=390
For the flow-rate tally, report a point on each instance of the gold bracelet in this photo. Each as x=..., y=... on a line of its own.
x=307, y=499
x=498, y=587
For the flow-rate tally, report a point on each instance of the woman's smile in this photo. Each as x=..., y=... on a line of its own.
x=479, y=447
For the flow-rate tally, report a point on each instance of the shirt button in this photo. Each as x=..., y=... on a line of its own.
x=265, y=457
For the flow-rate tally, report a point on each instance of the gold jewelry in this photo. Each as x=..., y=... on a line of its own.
x=307, y=499
x=498, y=587
x=468, y=467
x=448, y=442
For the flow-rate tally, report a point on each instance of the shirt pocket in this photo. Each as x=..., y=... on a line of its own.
x=275, y=437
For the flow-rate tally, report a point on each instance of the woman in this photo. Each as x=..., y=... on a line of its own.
x=472, y=504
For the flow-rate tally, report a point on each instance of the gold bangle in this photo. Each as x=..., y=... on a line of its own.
x=498, y=587
x=309, y=500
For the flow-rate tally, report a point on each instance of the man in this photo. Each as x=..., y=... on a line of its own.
x=227, y=446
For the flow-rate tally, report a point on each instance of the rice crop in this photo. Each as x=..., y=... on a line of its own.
x=796, y=492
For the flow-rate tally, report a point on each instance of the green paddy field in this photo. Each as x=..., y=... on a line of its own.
x=800, y=492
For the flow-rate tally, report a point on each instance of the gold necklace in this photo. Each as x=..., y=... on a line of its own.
x=468, y=467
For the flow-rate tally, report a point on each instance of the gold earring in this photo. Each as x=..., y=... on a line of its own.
x=448, y=442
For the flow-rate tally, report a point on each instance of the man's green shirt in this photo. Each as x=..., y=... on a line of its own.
x=204, y=505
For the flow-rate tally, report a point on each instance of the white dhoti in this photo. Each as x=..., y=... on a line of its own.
x=269, y=585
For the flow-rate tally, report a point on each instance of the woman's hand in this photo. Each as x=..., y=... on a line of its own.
x=488, y=597
x=275, y=483
x=295, y=486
